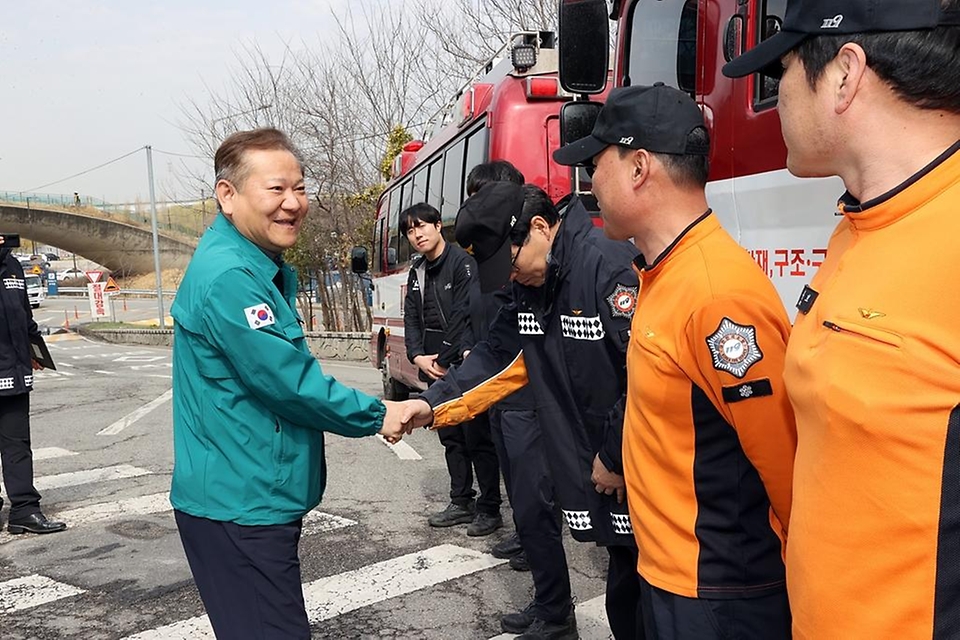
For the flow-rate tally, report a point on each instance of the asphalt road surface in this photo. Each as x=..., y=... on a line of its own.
x=372, y=568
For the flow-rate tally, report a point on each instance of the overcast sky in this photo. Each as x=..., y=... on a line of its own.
x=85, y=81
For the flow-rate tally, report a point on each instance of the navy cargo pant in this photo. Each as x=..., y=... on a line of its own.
x=248, y=577
x=530, y=489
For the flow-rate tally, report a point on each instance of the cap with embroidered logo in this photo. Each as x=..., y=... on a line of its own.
x=807, y=18
x=483, y=229
x=657, y=118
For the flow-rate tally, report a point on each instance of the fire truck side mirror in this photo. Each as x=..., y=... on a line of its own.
x=577, y=120
x=358, y=260
x=584, y=45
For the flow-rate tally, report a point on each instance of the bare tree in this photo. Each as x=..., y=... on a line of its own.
x=392, y=65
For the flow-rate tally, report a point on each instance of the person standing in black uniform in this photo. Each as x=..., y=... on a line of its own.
x=16, y=381
x=565, y=334
x=435, y=319
x=516, y=431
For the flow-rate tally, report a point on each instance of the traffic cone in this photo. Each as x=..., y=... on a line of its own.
x=66, y=320
x=76, y=313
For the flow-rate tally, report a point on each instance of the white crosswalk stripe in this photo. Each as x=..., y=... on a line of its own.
x=49, y=453
x=31, y=591
x=330, y=597
x=75, y=478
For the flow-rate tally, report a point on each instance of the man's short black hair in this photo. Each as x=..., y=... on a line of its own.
x=536, y=202
x=689, y=170
x=920, y=66
x=420, y=212
x=494, y=171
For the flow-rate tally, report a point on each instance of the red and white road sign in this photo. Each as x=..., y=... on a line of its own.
x=94, y=276
x=98, y=299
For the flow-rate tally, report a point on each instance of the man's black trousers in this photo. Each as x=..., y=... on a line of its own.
x=16, y=456
x=530, y=489
x=248, y=577
x=468, y=448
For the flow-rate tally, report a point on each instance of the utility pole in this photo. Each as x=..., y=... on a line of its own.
x=156, y=235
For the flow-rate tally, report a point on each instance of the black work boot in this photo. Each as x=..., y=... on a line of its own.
x=518, y=622
x=506, y=549
x=543, y=630
x=454, y=514
x=484, y=524
x=519, y=562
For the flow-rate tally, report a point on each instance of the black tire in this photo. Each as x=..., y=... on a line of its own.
x=393, y=390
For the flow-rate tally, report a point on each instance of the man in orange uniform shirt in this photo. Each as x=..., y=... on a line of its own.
x=708, y=437
x=871, y=92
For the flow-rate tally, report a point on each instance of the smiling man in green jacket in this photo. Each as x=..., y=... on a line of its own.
x=250, y=402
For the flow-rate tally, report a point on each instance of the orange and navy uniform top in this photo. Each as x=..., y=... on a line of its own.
x=709, y=436
x=873, y=373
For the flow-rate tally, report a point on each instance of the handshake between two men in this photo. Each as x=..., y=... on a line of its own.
x=402, y=418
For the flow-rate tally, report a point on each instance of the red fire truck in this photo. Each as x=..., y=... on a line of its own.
x=784, y=222
x=509, y=111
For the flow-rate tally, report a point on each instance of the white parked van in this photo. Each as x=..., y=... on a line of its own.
x=34, y=289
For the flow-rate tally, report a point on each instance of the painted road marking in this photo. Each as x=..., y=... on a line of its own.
x=591, y=621
x=313, y=523
x=132, y=417
x=47, y=453
x=75, y=478
x=32, y=591
x=402, y=449
x=335, y=595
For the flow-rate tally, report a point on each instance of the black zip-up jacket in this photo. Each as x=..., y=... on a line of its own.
x=449, y=280
x=567, y=340
x=17, y=327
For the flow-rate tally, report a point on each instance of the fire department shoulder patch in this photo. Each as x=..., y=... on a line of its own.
x=623, y=301
x=734, y=348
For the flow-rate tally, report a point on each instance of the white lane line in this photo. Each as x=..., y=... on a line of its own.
x=139, y=506
x=109, y=373
x=32, y=591
x=130, y=418
x=320, y=522
x=402, y=449
x=313, y=523
x=75, y=478
x=335, y=595
x=591, y=621
x=46, y=453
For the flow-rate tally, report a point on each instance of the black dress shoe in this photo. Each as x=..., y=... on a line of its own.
x=506, y=549
x=34, y=523
x=453, y=515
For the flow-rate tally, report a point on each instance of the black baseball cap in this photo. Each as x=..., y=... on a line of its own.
x=483, y=228
x=657, y=118
x=807, y=18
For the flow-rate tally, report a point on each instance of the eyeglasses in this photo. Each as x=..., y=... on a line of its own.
x=590, y=168
x=513, y=261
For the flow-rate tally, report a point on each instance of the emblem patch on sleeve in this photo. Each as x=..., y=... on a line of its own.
x=259, y=316
x=623, y=301
x=734, y=348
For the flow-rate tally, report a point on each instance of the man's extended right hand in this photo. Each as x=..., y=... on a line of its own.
x=393, y=424
x=428, y=364
x=416, y=413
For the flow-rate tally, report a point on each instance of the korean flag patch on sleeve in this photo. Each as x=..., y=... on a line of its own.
x=259, y=316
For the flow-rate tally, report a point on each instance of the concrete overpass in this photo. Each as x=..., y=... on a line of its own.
x=123, y=248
